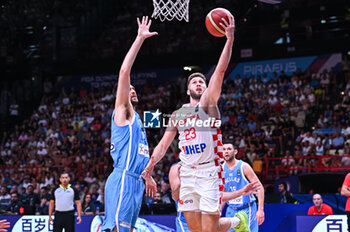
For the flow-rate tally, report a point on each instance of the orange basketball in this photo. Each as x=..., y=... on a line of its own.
x=213, y=19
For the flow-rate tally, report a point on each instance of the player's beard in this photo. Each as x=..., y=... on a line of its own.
x=194, y=95
x=230, y=158
x=134, y=100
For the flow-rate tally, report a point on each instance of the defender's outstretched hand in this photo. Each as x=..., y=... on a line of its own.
x=251, y=188
x=144, y=28
x=151, y=187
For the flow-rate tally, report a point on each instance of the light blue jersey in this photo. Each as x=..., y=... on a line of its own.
x=235, y=180
x=124, y=187
x=129, y=146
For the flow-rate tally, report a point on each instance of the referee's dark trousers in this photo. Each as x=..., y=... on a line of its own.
x=64, y=219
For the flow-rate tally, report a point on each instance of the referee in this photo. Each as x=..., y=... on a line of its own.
x=62, y=200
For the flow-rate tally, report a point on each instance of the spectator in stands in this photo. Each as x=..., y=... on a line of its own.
x=14, y=111
x=44, y=192
x=22, y=194
x=5, y=198
x=346, y=159
x=338, y=141
x=319, y=208
x=43, y=208
x=88, y=206
x=157, y=199
x=286, y=197
x=90, y=178
x=32, y=199
x=288, y=164
x=13, y=208
x=166, y=193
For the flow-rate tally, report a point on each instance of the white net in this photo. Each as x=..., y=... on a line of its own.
x=170, y=9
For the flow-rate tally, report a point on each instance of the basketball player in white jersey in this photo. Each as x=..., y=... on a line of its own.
x=175, y=183
x=201, y=175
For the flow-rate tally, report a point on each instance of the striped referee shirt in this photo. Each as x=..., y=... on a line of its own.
x=64, y=198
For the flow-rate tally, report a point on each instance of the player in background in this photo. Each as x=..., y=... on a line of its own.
x=174, y=180
x=201, y=148
x=345, y=190
x=237, y=175
x=129, y=148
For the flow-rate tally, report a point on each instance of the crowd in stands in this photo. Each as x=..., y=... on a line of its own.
x=303, y=115
x=57, y=29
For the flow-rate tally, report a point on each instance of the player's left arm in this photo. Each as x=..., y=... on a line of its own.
x=250, y=174
x=247, y=190
x=212, y=93
x=160, y=150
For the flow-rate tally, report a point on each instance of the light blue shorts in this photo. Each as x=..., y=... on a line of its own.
x=123, y=199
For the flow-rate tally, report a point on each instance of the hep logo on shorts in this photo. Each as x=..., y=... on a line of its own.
x=151, y=119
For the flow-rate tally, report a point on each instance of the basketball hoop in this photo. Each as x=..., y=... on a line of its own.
x=170, y=9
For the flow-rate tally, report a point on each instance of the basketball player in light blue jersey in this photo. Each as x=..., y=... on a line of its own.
x=237, y=175
x=129, y=149
x=175, y=182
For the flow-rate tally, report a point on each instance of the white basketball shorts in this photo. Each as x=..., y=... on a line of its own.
x=200, y=188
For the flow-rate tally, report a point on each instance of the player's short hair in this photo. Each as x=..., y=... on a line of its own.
x=196, y=74
x=233, y=146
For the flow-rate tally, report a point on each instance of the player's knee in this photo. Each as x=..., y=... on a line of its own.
x=194, y=227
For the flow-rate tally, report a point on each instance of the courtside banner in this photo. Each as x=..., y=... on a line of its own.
x=322, y=223
x=159, y=76
x=289, y=65
x=31, y=223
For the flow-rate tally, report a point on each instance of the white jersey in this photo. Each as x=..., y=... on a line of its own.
x=199, y=136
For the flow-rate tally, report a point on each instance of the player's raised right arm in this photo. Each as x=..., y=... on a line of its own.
x=162, y=147
x=212, y=93
x=122, y=99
